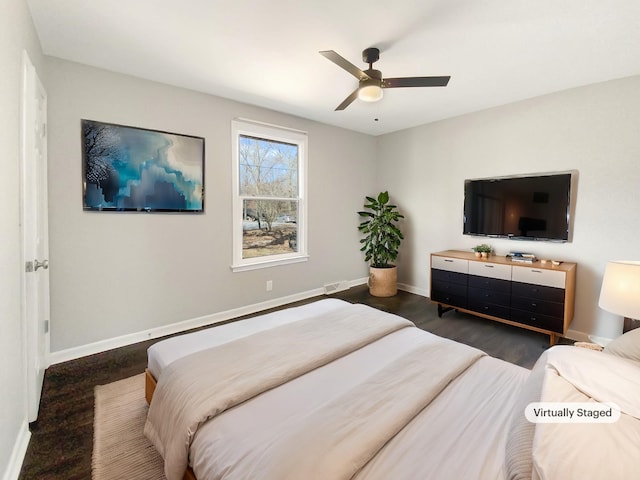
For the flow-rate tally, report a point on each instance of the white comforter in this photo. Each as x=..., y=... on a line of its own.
x=336, y=439
x=408, y=405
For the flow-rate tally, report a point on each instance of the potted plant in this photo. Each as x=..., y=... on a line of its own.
x=380, y=244
x=482, y=250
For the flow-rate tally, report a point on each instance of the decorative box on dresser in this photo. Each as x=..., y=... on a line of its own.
x=534, y=296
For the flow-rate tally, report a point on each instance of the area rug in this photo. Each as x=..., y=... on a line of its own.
x=120, y=449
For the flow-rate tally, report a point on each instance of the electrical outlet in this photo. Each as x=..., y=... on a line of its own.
x=269, y=285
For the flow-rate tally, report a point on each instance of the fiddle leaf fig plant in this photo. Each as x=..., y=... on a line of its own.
x=381, y=236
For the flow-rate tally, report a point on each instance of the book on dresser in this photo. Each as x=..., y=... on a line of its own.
x=522, y=257
x=523, y=293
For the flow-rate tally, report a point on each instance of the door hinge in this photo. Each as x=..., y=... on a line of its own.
x=46, y=326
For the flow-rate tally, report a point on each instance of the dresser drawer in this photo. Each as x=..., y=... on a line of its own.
x=449, y=298
x=539, y=276
x=449, y=288
x=544, y=322
x=488, y=308
x=450, y=264
x=492, y=270
x=446, y=276
x=489, y=296
x=553, y=309
x=537, y=292
x=495, y=284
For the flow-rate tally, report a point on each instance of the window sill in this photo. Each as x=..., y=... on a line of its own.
x=268, y=263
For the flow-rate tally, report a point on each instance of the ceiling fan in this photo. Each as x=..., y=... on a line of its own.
x=371, y=82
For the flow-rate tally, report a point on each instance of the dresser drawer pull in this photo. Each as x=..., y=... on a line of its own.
x=534, y=304
x=488, y=266
x=536, y=271
x=448, y=260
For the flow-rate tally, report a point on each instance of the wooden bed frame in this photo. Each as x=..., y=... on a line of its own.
x=150, y=387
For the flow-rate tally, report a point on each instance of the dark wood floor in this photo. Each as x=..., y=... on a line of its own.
x=62, y=438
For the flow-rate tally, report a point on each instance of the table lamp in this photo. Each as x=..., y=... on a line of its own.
x=620, y=293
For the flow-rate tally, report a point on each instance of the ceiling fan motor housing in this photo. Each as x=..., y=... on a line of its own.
x=373, y=75
x=370, y=55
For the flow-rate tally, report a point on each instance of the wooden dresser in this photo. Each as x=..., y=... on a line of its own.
x=534, y=296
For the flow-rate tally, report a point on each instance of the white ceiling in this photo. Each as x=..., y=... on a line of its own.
x=266, y=52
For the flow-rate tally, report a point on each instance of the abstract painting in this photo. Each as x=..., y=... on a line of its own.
x=136, y=169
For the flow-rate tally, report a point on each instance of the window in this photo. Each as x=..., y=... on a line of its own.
x=269, y=203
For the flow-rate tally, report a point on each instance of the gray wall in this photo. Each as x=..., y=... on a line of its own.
x=16, y=33
x=592, y=129
x=115, y=274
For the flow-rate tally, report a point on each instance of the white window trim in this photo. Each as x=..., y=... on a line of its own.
x=281, y=134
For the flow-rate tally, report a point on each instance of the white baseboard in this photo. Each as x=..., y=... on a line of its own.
x=358, y=281
x=124, y=340
x=17, y=455
x=415, y=290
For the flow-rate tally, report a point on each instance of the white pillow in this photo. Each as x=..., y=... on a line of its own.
x=626, y=346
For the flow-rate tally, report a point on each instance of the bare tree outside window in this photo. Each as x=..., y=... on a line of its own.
x=268, y=177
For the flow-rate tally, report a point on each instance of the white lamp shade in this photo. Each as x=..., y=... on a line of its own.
x=370, y=93
x=620, y=293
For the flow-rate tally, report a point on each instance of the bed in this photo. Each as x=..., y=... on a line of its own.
x=333, y=390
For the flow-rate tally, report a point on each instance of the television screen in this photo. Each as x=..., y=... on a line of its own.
x=533, y=207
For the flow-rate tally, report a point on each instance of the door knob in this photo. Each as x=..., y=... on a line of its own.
x=37, y=264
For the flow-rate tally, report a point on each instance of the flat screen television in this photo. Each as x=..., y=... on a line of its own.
x=528, y=207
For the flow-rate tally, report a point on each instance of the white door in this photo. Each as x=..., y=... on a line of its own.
x=35, y=239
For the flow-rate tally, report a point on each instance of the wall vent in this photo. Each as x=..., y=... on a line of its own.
x=330, y=288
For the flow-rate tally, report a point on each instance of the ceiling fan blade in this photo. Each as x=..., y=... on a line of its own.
x=347, y=101
x=346, y=64
x=415, y=82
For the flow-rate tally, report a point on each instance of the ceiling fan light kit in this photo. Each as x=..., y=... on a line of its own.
x=370, y=93
x=370, y=81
